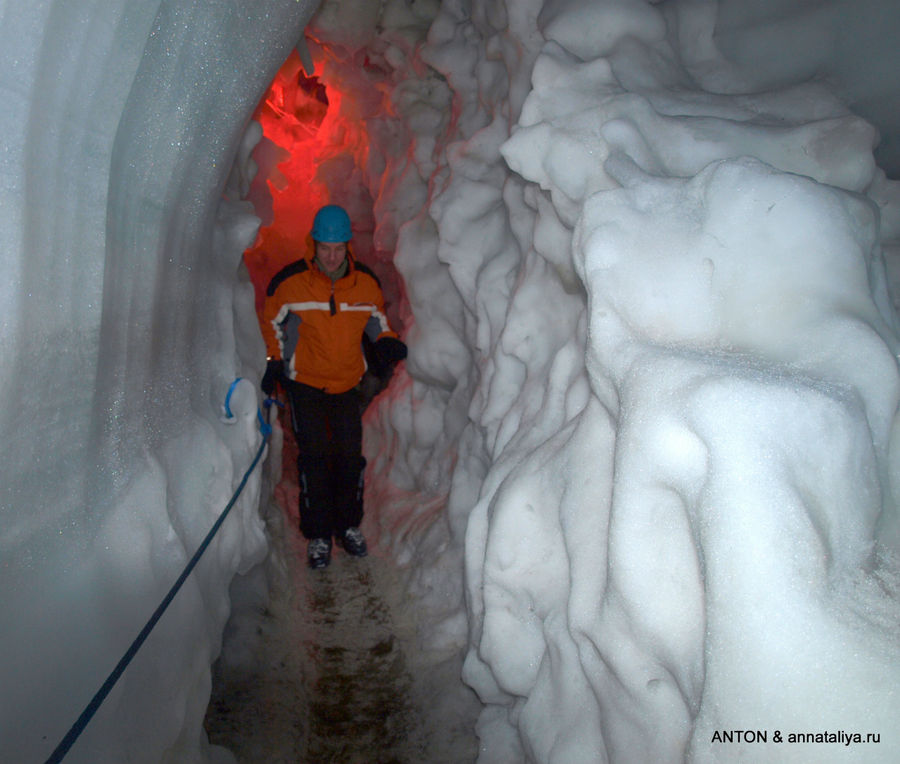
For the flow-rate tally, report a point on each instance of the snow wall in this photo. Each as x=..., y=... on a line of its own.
x=126, y=319
x=653, y=336
x=641, y=462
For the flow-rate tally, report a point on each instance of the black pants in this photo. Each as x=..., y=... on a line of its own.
x=330, y=464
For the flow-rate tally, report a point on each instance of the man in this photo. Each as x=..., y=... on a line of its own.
x=317, y=313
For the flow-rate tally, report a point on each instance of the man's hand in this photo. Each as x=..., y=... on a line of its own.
x=389, y=351
x=274, y=374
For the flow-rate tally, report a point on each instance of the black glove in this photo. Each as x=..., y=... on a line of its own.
x=391, y=350
x=274, y=373
x=388, y=352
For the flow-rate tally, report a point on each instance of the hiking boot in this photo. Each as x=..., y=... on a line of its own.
x=318, y=553
x=354, y=542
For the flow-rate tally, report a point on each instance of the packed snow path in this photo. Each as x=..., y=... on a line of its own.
x=322, y=671
x=330, y=682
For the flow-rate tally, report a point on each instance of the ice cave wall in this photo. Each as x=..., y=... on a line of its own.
x=122, y=331
x=645, y=516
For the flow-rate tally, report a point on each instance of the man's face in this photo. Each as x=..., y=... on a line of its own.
x=331, y=254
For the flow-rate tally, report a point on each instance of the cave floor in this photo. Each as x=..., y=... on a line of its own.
x=324, y=669
x=327, y=680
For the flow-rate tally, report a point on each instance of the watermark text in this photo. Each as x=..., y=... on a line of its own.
x=833, y=737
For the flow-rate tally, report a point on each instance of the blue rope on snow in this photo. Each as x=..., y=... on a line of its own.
x=72, y=735
x=264, y=427
x=231, y=389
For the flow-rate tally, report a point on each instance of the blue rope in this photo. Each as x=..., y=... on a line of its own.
x=231, y=389
x=264, y=427
x=72, y=735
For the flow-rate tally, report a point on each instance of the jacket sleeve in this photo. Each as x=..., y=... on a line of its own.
x=377, y=327
x=277, y=293
x=382, y=347
x=271, y=307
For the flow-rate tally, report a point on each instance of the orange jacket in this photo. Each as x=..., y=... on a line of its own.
x=317, y=326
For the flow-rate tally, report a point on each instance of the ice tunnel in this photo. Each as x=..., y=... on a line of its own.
x=640, y=469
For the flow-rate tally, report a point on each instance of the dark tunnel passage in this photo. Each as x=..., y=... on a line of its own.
x=317, y=666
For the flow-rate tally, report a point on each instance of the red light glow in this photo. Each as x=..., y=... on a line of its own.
x=306, y=128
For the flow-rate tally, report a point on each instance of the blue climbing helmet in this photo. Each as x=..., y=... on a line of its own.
x=331, y=224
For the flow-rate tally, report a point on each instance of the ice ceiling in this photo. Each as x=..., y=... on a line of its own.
x=642, y=459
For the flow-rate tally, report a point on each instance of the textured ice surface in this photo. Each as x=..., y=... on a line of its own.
x=120, y=305
x=682, y=419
